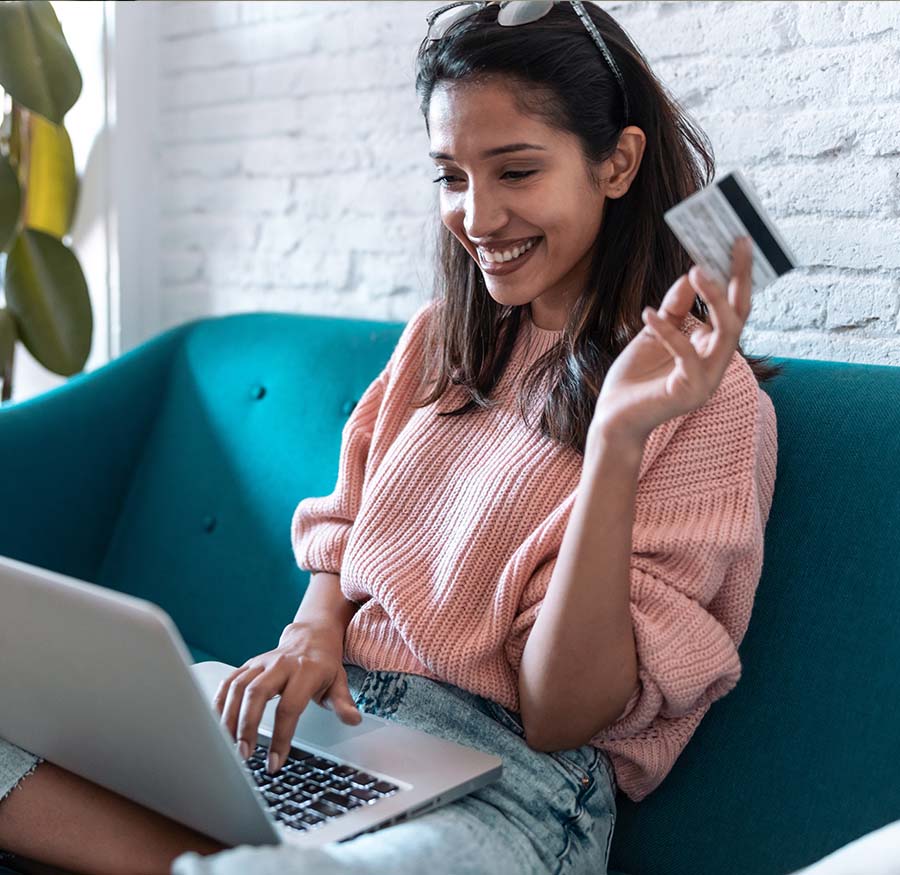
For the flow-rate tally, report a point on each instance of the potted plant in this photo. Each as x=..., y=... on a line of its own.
x=48, y=306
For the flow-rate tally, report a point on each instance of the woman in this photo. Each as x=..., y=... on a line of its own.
x=551, y=552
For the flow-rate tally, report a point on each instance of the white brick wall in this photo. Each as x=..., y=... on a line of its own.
x=294, y=170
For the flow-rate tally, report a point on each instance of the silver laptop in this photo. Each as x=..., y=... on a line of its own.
x=102, y=684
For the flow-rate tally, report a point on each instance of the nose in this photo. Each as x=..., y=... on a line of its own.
x=484, y=213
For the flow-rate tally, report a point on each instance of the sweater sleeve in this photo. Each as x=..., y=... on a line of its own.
x=320, y=527
x=697, y=549
x=697, y=553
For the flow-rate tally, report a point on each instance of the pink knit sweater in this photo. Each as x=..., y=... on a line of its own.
x=446, y=531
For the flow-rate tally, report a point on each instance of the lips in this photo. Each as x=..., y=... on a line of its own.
x=508, y=244
x=504, y=267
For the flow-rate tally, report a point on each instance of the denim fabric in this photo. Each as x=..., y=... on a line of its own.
x=549, y=814
x=15, y=764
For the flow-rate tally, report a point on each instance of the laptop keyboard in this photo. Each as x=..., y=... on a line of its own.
x=309, y=790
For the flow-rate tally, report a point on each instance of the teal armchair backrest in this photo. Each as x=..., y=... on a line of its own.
x=803, y=755
x=172, y=473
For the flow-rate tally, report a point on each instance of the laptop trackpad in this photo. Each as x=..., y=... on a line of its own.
x=321, y=727
x=317, y=725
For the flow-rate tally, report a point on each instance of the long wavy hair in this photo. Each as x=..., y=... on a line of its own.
x=555, y=73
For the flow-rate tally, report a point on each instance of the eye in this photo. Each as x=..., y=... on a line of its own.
x=517, y=174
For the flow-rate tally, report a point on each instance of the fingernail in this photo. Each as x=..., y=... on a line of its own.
x=273, y=762
x=243, y=749
x=702, y=274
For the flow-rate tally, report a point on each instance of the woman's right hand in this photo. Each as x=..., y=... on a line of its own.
x=307, y=664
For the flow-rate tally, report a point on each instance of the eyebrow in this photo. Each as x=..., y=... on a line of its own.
x=499, y=150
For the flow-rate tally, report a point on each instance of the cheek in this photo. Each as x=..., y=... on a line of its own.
x=452, y=218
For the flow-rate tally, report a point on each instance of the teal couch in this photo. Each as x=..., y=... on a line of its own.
x=172, y=473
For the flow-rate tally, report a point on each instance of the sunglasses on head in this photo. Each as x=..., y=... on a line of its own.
x=515, y=12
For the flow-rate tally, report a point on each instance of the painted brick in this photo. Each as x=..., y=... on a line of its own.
x=294, y=171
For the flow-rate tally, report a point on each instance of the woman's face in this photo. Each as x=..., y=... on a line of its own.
x=494, y=202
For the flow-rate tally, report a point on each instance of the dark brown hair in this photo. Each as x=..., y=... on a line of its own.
x=556, y=73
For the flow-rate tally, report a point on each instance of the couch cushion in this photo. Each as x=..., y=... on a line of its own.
x=250, y=423
x=803, y=755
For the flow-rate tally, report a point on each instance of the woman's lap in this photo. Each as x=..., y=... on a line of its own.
x=548, y=813
x=15, y=764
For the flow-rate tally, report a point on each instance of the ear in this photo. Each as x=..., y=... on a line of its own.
x=626, y=161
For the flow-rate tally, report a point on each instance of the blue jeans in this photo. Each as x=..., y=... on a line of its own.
x=549, y=814
x=15, y=764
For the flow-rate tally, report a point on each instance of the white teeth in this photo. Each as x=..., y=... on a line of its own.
x=508, y=255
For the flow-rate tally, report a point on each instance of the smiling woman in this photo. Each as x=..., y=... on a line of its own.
x=558, y=572
x=527, y=147
x=568, y=594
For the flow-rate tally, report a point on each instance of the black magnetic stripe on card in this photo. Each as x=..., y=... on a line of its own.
x=761, y=235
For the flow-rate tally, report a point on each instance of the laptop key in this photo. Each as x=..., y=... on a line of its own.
x=343, y=771
x=290, y=808
x=326, y=808
x=384, y=787
x=296, y=823
x=363, y=779
x=364, y=795
x=335, y=799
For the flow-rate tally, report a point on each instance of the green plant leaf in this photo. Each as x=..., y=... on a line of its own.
x=8, y=338
x=10, y=203
x=47, y=293
x=37, y=68
x=51, y=188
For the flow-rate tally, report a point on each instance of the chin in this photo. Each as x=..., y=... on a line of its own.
x=510, y=301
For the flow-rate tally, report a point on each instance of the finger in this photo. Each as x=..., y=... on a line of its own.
x=677, y=301
x=724, y=319
x=294, y=700
x=235, y=698
x=222, y=689
x=679, y=347
x=257, y=695
x=342, y=700
x=740, y=288
x=704, y=369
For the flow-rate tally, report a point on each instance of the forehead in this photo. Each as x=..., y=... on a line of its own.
x=465, y=119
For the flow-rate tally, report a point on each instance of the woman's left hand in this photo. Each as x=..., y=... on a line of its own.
x=662, y=374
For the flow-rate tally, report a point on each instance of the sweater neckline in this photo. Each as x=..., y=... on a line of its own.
x=539, y=340
x=542, y=332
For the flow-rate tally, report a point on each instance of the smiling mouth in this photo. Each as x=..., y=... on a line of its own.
x=528, y=245
x=500, y=268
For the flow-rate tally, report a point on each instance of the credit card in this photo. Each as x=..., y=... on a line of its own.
x=709, y=222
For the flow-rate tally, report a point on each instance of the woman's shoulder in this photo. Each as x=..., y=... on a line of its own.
x=418, y=322
x=406, y=359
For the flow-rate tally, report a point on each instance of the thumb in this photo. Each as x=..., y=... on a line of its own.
x=342, y=700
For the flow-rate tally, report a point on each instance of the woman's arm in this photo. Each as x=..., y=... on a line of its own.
x=324, y=604
x=579, y=665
